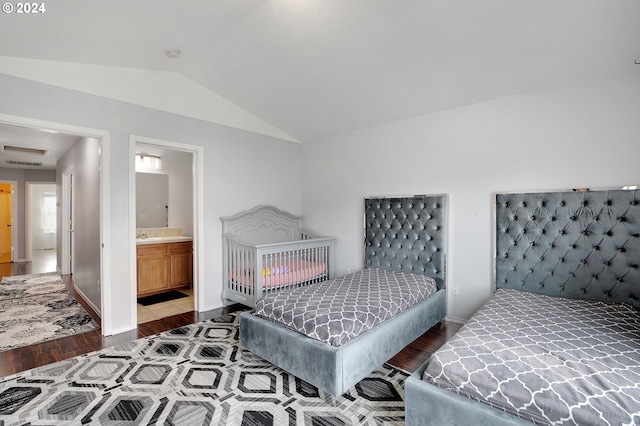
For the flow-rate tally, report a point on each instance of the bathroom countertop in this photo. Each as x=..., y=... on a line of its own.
x=160, y=240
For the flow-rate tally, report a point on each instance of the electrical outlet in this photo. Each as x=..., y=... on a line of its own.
x=456, y=292
x=348, y=270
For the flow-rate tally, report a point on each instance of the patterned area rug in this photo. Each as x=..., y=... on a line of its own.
x=37, y=308
x=31, y=285
x=194, y=375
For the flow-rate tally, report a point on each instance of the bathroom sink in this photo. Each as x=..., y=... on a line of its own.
x=156, y=240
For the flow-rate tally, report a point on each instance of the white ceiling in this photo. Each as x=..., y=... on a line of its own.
x=55, y=146
x=318, y=68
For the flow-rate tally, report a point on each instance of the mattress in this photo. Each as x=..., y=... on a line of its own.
x=546, y=359
x=341, y=309
x=282, y=273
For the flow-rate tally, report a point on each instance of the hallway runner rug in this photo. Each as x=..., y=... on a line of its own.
x=18, y=286
x=193, y=375
x=37, y=308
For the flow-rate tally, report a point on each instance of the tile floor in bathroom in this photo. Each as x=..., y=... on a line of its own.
x=166, y=309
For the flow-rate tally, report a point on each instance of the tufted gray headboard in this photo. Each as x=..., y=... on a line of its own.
x=581, y=245
x=406, y=234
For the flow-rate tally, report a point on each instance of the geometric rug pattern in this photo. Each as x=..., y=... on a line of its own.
x=37, y=308
x=193, y=375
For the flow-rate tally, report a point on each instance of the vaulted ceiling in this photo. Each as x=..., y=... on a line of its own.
x=317, y=68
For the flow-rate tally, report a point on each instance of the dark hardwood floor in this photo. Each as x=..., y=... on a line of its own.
x=20, y=359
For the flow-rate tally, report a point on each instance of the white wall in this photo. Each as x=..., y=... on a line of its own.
x=580, y=134
x=242, y=170
x=84, y=156
x=178, y=165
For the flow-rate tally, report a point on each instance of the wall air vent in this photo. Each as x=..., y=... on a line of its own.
x=24, y=163
x=23, y=150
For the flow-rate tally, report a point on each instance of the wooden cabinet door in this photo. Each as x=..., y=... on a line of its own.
x=152, y=273
x=153, y=268
x=181, y=270
x=181, y=267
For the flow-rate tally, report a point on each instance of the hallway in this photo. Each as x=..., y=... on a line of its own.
x=43, y=261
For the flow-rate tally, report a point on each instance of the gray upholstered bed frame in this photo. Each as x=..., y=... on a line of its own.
x=583, y=245
x=405, y=234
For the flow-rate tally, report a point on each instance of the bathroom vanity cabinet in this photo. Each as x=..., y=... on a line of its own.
x=164, y=266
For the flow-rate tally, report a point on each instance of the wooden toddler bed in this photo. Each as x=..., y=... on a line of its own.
x=334, y=334
x=265, y=250
x=559, y=341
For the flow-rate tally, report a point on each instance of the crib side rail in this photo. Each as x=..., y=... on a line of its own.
x=247, y=268
x=307, y=261
x=239, y=262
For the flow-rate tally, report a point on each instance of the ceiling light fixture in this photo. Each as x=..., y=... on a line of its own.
x=148, y=162
x=23, y=150
x=172, y=53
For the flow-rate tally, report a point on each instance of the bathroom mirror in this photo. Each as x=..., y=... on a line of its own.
x=152, y=200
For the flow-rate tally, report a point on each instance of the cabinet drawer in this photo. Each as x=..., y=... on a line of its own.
x=152, y=249
x=182, y=247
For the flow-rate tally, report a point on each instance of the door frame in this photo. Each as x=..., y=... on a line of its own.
x=104, y=138
x=198, y=217
x=14, y=215
x=68, y=207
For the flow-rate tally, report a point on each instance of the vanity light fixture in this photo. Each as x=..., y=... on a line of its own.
x=148, y=162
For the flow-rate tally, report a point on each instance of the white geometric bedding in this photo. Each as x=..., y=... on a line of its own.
x=338, y=310
x=549, y=360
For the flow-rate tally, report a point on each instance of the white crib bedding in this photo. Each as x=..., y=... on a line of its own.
x=281, y=274
x=546, y=359
x=340, y=309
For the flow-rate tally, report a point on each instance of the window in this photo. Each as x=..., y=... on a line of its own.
x=49, y=212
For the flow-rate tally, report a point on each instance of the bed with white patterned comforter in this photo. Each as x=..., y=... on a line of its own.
x=339, y=310
x=548, y=360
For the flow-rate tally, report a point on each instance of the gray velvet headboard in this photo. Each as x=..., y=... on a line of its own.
x=407, y=234
x=582, y=245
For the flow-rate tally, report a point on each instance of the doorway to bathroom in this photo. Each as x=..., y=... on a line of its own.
x=165, y=223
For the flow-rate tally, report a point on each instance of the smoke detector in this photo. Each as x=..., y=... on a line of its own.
x=173, y=53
